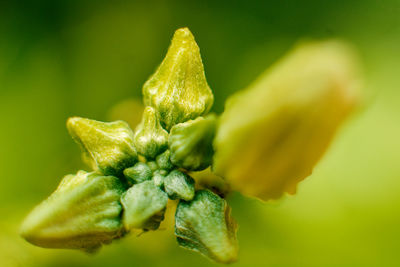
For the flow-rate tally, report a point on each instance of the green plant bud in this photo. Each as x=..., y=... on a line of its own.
x=150, y=138
x=144, y=206
x=191, y=143
x=83, y=213
x=152, y=165
x=271, y=135
x=162, y=172
x=140, y=172
x=205, y=225
x=179, y=185
x=163, y=160
x=158, y=178
x=178, y=90
x=108, y=144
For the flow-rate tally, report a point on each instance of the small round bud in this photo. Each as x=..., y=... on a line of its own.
x=138, y=173
x=150, y=138
x=179, y=185
x=163, y=160
x=158, y=178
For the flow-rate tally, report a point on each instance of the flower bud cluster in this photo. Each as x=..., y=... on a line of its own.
x=268, y=139
x=135, y=173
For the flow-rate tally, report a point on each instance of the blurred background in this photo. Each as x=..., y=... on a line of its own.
x=90, y=58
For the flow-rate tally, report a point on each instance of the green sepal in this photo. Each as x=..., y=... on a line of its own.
x=150, y=138
x=107, y=146
x=205, y=225
x=144, y=206
x=138, y=173
x=191, y=143
x=179, y=185
x=178, y=90
x=83, y=213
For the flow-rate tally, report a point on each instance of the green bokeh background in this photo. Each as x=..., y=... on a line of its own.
x=63, y=58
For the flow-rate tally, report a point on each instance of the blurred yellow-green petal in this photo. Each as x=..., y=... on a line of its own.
x=129, y=110
x=273, y=133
